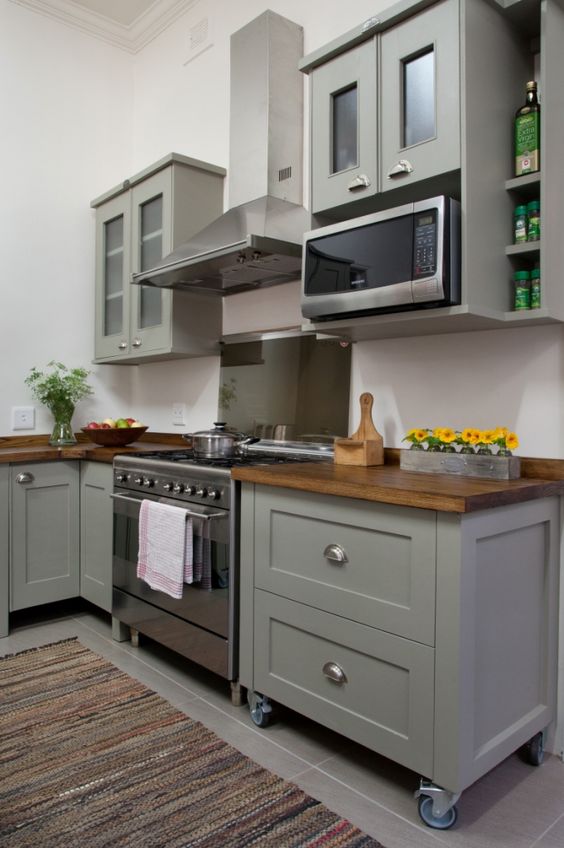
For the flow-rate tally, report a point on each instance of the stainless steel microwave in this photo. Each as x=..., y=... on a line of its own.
x=400, y=259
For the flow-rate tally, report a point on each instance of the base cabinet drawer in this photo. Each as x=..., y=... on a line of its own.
x=368, y=562
x=371, y=686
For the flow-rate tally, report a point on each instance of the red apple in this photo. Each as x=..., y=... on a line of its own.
x=93, y=425
x=105, y=426
x=130, y=421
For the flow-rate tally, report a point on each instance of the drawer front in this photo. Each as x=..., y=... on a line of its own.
x=372, y=563
x=385, y=699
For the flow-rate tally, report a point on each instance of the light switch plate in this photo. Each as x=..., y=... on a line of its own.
x=23, y=418
x=179, y=414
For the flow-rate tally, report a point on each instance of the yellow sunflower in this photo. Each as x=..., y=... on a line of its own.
x=511, y=441
x=447, y=435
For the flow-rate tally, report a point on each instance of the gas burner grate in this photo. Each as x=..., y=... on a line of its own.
x=187, y=457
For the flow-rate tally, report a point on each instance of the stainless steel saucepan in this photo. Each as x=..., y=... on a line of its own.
x=217, y=443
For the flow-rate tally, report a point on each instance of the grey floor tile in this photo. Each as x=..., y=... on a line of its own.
x=553, y=838
x=390, y=829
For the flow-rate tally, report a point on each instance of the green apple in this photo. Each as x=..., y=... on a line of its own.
x=121, y=422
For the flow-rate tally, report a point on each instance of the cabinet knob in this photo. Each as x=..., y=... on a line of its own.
x=334, y=672
x=136, y=343
x=336, y=554
x=122, y=346
x=362, y=181
x=25, y=477
x=401, y=167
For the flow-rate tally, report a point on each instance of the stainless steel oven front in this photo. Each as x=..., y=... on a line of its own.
x=202, y=625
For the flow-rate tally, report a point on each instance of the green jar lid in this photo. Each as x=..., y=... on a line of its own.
x=521, y=275
x=520, y=210
x=535, y=273
x=533, y=206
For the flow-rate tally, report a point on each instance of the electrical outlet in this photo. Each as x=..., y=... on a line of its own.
x=23, y=418
x=179, y=414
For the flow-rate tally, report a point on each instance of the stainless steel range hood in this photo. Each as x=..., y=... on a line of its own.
x=258, y=242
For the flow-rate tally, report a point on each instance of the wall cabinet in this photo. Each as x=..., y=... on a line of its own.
x=386, y=112
x=465, y=63
x=44, y=533
x=427, y=637
x=137, y=224
x=96, y=528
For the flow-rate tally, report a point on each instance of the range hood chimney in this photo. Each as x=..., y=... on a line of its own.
x=258, y=242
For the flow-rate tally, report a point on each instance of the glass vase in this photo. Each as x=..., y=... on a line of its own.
x=62, y=433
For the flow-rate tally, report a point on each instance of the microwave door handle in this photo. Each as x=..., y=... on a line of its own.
x=401, y=167
x=205, y=515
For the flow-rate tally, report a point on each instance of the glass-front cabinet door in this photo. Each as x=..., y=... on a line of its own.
x=343, y=128
x=420, y=101
x=112, y=277
x=151, y=239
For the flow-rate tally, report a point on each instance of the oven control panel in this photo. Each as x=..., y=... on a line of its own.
x=169, y=486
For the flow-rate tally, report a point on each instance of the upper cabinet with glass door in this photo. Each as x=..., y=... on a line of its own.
x=385, y=105
x=136, y=225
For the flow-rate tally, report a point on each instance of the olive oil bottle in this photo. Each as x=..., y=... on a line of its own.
x=527, y=133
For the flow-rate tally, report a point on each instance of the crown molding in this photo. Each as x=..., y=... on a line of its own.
x=131, y=38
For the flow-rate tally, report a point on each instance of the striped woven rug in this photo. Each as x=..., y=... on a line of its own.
x=91, y=758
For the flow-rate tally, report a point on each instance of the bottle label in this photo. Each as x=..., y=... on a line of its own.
x=522, y=297
x=535, y=293
x=526, y=143
x=534, y=227
x=520, y=229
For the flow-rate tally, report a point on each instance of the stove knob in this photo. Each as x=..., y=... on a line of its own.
x=191, y=490
x=167, y=487
x=148, y=482
x=202, y=493
x=178, y=488
x=122, y=478
x=138, y=481
x=214, y=494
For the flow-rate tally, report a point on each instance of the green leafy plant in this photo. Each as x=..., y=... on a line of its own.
x=61, y=388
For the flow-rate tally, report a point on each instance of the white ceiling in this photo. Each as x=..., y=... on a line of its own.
x=128, y=24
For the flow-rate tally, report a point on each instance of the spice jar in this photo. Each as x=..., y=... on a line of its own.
x=522, y=293
x=535, y=289
x=533, y=220
x=520, y=224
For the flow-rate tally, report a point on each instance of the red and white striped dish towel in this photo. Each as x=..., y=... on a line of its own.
x=165, y=547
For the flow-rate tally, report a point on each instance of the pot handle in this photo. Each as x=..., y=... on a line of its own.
x=248, y=440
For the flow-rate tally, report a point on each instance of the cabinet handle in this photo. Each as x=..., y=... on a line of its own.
x=402, y=167
x=335, y=673
x=122, y=346
x=335, y=553
x=136, y=343
x=362, y=181
x=25, y=477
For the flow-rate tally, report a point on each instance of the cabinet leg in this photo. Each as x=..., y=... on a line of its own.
x=120, y=631
x=134, y=637
x=237, y=694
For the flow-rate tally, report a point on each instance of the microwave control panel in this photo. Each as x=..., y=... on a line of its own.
x=425, y=245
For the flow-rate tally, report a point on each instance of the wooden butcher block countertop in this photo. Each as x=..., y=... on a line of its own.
x=37, y=448
x=390, y=484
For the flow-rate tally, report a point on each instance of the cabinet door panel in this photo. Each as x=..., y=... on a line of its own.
x=151, y=239
x=379, y=687
x=96, y=527
x=4, y=550
x=420, y=100
x=44, y=534
x=112, y=278
x=343, y=128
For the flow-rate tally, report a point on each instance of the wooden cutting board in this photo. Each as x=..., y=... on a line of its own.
x=366, y=445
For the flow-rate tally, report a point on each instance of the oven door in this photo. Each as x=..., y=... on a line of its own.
x=208, y=609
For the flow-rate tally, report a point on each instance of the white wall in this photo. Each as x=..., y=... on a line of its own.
x=79, y=116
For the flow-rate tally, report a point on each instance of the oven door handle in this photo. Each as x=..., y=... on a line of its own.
x=204, y=515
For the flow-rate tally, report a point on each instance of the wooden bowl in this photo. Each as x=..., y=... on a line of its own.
x=113, y=437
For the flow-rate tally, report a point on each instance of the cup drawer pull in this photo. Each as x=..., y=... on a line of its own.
x=335, y=673
x=335, y=553
x=25, y=477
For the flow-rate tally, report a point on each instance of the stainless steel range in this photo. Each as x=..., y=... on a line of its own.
x=203, y=624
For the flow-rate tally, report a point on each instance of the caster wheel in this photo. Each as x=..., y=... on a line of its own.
x=259, y=717
x=534, y=750
x=438, y=822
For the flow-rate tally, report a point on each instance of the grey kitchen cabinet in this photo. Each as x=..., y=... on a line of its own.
x=386, y=112
x=44, y=533
x=429, y=637
x=96, y=527
x=137, y=223
x=4, y=550
x=501, y=45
